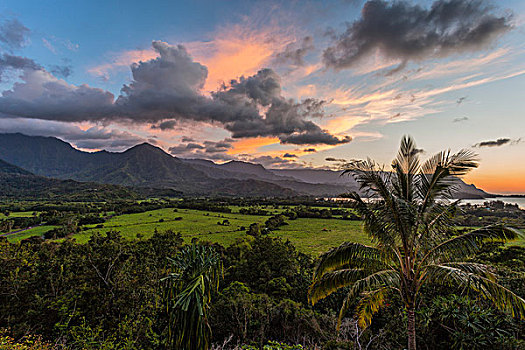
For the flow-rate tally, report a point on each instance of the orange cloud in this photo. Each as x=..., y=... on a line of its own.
x=251, y=146
x=238, y=50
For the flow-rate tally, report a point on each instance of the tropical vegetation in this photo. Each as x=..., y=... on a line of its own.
x=410, y=219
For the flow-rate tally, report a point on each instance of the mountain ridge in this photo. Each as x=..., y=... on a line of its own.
x=146, y=165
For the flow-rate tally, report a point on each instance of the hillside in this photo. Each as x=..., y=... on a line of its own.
x=21, y=184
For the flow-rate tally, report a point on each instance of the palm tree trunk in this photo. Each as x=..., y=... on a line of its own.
x=411, y=327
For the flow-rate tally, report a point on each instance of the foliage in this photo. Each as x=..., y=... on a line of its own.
x=195, y=274
x=415, y=240
x=456, y=322
x=273, y=345
x=26, y=343
x=489, y=213
x=275, y=222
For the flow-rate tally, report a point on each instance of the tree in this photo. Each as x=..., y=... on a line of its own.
x=410, y=221
x=196, y=272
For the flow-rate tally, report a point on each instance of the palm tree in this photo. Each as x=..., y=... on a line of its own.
x=196, y=272
x=409, y=219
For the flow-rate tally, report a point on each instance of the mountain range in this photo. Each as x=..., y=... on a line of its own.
x=147, y=166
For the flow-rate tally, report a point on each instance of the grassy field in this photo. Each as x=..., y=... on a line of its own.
x=36, y=231
x=17, y=214
x=312, y=236
x=308, y=235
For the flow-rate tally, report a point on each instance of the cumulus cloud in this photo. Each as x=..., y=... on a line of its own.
x=13, y=34
x=497, y=143
x=8, y=61
x=289, y=155
x=40, y=95
x=405, y=32
x=294, y=52
x=168, y=89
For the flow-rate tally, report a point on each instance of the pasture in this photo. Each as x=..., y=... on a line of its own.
x=310, y=235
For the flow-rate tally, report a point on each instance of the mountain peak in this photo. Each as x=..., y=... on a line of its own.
x=145, y=147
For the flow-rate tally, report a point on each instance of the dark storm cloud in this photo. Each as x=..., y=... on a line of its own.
x=187, y=139
x=309, y=150
x=294, y=53
x=289, y=155
x=13, y=34
x=284, y=118
x=8, y=61
x=314, y=138
x=497, y=143
x=167, y=89
x=401, y=30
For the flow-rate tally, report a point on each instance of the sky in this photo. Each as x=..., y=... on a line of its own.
x=287, y=84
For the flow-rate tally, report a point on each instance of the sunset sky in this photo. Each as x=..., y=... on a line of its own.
x=286, y=84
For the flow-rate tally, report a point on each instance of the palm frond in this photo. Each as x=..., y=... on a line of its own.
x=470, y=242
x=368, y=306
x=466, y=277
x=332, y=281
x=348, y=254
x=372, y=179
x=375, y=223
x=435, y=274
x=438, y=174
x=384, y=278
x=369, y=286
x=406, y=165
x=436, y=224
